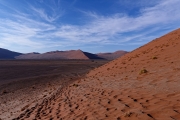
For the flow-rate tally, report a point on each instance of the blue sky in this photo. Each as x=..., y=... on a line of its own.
x=90, y=25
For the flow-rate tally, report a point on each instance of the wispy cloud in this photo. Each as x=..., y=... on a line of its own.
x=42, y=13
x=17, y=33
x=115, y=28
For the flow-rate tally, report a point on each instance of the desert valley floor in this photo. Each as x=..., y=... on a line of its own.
x=25, y=83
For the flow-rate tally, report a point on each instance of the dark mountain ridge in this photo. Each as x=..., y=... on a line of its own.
x=7, y=54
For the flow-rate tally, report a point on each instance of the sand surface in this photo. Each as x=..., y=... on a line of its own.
x=24, y=83
x=141, y=85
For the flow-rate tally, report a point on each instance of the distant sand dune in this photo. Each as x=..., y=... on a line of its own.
x=72, y=54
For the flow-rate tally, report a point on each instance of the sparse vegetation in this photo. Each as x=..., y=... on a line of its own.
x=154, y=57
x=143, y=71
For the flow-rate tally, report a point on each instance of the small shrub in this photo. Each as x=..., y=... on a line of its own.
x=154, y=57
x=143, y=71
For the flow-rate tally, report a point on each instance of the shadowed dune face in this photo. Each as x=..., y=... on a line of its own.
x=141, y=85
x=92, y=56
x=6, y=54
x=112, y=56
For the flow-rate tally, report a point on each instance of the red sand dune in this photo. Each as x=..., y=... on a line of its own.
x=72, y=54
x=141, y=85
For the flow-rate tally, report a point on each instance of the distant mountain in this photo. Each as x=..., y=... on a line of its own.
x=72, y=54
x=7, y=54
x=112, y=56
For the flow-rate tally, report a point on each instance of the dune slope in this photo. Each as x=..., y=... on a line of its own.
x=141, y=85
